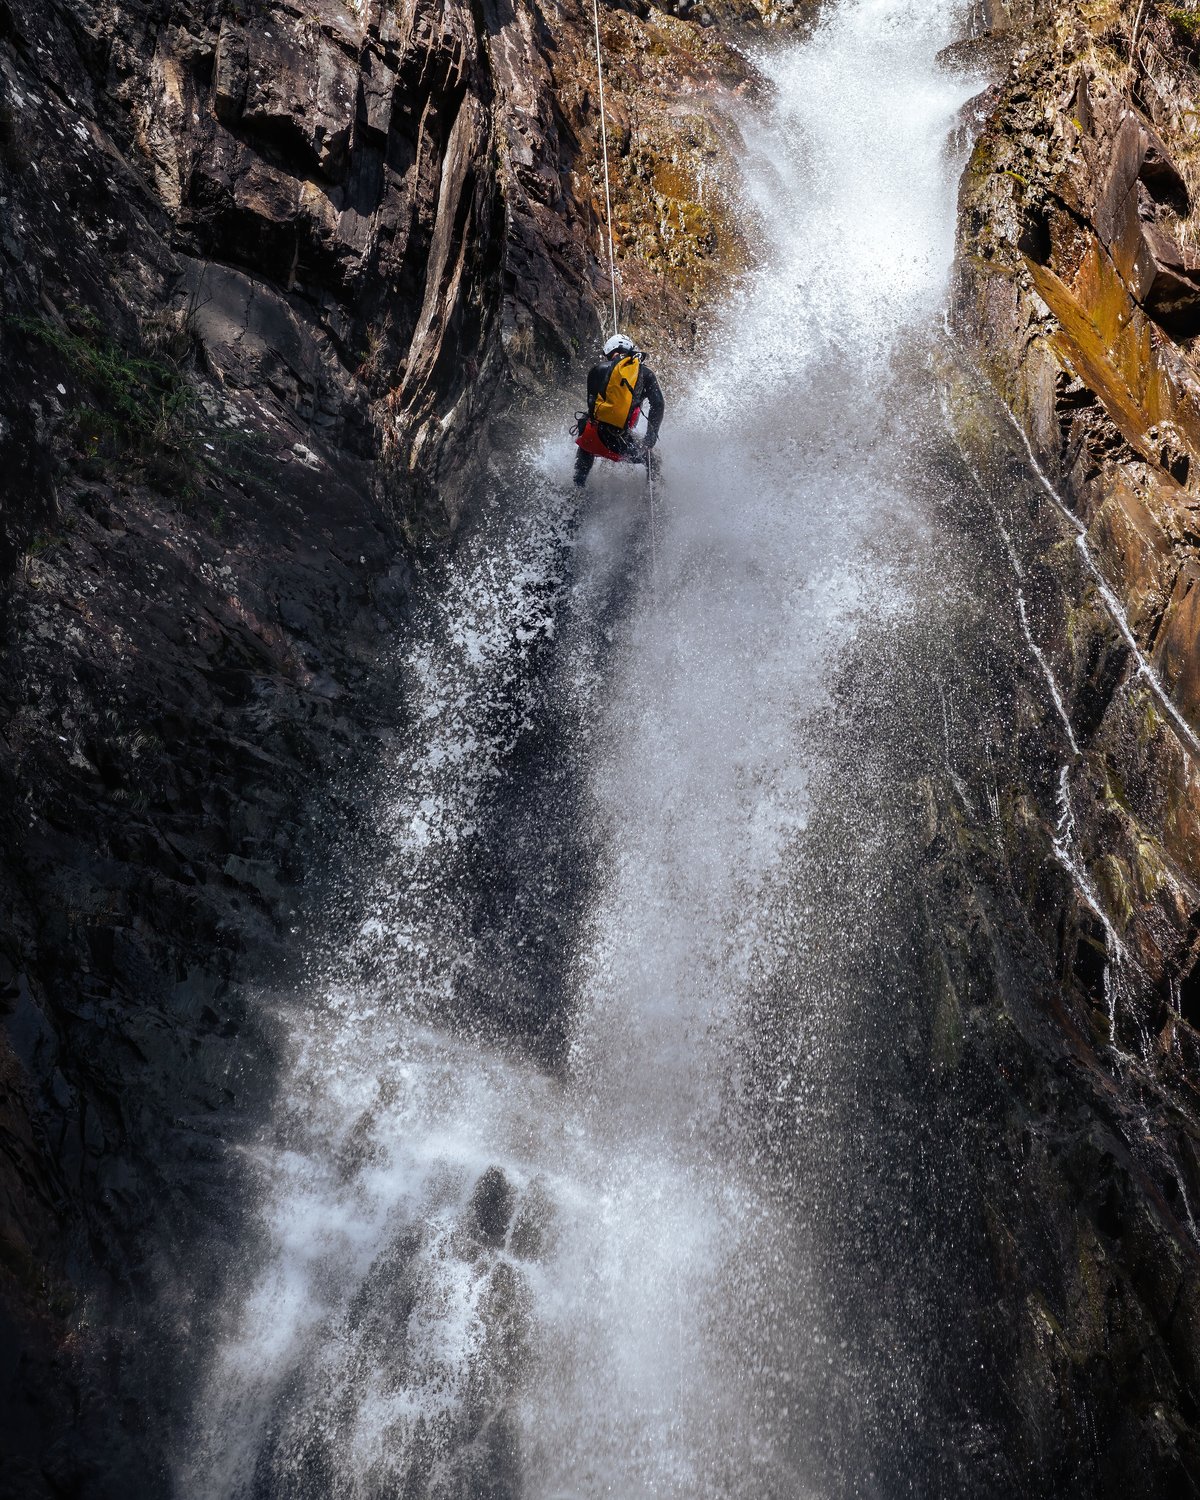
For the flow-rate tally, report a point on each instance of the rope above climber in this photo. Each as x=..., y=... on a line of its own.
x=625, y=401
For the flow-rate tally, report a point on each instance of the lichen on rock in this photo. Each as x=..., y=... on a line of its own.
x=1078, y=293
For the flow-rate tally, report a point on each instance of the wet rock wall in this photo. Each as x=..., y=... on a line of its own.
x=1076, y=289
x=276, y=286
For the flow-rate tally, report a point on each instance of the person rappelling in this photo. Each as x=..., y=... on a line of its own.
x=624, y=411
x=625, y=401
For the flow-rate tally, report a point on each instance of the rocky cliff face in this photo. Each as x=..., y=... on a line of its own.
x=271, y=278
x=1079, y=290
x=274, y=281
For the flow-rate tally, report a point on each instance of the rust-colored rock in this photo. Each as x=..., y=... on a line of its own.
x=1078, y=290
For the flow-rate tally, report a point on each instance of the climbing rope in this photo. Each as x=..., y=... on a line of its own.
x=612, y=264
x=612, y=257
x=653, y=549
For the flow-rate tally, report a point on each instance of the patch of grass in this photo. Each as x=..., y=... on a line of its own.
x=1185, y=24
x=373, y=360
x=141, y=404
x=43, y=542
x=141, y=412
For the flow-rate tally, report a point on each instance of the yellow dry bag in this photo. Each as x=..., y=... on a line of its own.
x=614, y=405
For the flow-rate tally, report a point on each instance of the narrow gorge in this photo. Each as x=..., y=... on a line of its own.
x=519, y=992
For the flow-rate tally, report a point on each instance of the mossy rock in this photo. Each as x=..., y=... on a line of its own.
x=1112, y=877
x=1150, y=870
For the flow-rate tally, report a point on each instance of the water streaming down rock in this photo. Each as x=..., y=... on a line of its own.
x=520, y=1234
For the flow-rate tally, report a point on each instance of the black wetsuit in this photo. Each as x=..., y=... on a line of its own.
x=647, y=394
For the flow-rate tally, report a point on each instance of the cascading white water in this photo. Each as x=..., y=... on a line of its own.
x=481, y=1275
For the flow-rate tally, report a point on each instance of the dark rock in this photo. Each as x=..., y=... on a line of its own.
x=492, y=1206
x=1079, y=294
x=989, y=52
x=271, y=280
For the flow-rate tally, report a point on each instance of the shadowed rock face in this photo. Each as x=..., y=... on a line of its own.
x=1077, y=287
x=269, y=279
x=389, y=172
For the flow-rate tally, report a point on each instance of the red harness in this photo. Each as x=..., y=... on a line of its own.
x=591, y=441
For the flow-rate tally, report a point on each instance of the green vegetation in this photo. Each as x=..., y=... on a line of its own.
x=1186, y=24
x=141, y=405
x=373, y=358
x=44, y=541
x=140, y=409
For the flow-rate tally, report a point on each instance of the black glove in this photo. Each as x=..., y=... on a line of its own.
x=652, y=437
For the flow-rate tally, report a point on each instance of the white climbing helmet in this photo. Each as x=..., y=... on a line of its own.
x=620, y=343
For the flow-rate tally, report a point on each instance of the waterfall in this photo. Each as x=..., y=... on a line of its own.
x=519, y=1233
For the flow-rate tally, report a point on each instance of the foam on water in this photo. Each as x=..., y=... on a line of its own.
x=482, y=1275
